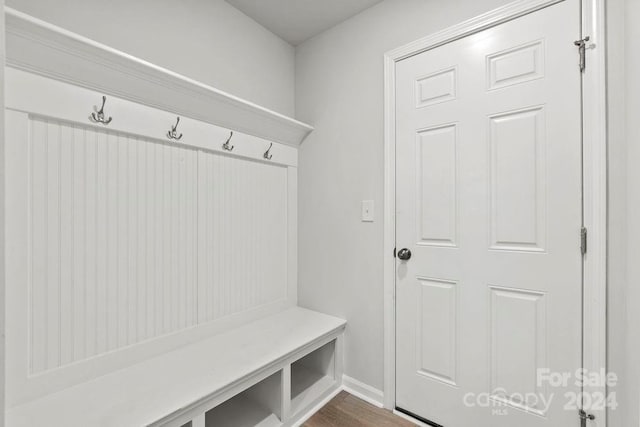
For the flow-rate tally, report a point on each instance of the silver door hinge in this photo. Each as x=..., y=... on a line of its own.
x=583, y=240
x=582, y=47
x=584, y=417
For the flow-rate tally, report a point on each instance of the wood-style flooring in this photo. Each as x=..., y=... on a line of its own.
x=346, y=410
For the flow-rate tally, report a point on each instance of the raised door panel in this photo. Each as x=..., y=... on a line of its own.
x=518, y=180
x=436, y=87
x=518, y=347
x=437, y=336
x=516, y=65
x=436, y=170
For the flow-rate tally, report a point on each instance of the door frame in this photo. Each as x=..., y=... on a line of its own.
x=594, y=164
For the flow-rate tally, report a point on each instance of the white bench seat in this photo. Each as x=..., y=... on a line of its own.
x=170, y=389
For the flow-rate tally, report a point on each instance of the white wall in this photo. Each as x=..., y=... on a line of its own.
x=339, y=89
x=339, y=78
x=2, y=270
x=617, y=250
x=632, y=102
x=207, y=40
x=623, y=69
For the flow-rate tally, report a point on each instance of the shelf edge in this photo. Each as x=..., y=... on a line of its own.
x=39, y=47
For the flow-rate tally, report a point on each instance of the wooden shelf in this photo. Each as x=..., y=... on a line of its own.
x=39, y=47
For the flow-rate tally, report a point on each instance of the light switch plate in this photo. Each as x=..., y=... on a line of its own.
x=367, y=211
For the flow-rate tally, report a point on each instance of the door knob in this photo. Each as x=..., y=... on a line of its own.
x=404, y=254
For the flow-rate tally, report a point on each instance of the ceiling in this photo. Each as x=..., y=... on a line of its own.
x=298, y=20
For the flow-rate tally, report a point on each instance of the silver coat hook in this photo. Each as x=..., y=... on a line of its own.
x=226, y=145
x=266, y=153
x=173, y=133
x=98, y=116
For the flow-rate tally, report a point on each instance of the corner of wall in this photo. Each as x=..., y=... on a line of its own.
x=632, y=91
x=2, y=242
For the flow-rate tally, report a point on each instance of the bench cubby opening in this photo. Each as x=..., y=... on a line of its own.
x=259, y=406
x=312, y=375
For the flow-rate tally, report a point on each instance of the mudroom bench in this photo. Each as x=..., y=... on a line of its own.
x=268, y=373
x=152, y=273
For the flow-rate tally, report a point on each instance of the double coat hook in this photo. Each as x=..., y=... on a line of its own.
x=226, y=145
x=98, y=116
x=173, y=133
x=266, y=153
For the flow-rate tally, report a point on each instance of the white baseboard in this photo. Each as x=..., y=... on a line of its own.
x=316, y=408
x=363, y=391
x=352, y=386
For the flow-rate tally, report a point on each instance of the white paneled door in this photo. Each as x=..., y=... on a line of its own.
x=489, y=205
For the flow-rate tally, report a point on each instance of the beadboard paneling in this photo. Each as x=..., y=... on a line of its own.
x=131, y=239
x=242, y=231
x=112, y=248
x=122, y=246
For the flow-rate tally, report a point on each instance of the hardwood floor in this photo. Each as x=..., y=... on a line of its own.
x=346, y=410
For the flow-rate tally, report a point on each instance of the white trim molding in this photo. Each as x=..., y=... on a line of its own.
x=355, y=388
x=310, y=413
x=594, y=169
x=595, y=193
x=389, y=237
x=2, y=226
x=490, y=19
x=362, y=391
x=39, y=47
